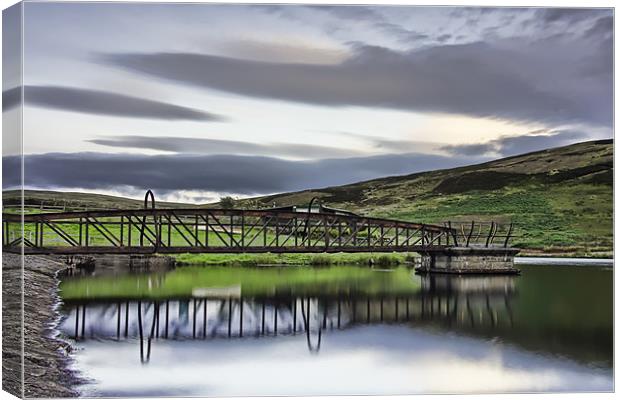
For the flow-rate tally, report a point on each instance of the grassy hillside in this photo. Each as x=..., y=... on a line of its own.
x=561, y=199
x=58, y=201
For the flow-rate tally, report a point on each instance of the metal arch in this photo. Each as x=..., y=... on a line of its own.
x=314, y=349
x=151, y=195
x=144, y=359
x=305, y=233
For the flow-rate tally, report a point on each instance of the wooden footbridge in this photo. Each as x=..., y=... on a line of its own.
x=203, y=230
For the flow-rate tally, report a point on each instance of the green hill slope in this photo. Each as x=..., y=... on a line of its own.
x=48, y=200
x=560, y=199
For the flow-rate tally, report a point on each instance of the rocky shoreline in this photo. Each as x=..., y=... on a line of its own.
x=46, y=363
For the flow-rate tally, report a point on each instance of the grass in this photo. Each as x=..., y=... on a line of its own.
x=297, y=281
x=96, y=238
x=577, y=218
x=269, y=259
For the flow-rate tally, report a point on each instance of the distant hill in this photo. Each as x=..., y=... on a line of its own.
x=58, y=201
x=560, y=199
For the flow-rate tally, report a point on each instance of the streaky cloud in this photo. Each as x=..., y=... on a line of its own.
x=218, y=146
x=91, y=101
x=489, y=80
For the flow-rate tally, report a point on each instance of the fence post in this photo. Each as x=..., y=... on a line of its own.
x=490, y=233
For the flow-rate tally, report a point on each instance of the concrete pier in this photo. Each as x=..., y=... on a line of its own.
x=470, y=260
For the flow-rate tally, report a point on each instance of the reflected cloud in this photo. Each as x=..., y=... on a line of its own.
x=412, y=361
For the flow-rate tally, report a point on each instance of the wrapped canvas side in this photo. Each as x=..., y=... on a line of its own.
x=12, y=199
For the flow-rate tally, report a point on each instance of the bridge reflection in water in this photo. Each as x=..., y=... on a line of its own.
x=459, y=302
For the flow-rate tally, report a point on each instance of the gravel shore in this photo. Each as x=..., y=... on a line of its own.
x=47, y=365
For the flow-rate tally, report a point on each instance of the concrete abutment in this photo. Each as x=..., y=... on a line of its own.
x=470, y=260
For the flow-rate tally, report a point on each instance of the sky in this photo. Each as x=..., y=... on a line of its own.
x=199, y=101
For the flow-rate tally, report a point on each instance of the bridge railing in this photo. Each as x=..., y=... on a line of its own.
x=215, y=230
x=481, y=233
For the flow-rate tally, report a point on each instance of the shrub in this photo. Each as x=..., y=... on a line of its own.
x=227, y=202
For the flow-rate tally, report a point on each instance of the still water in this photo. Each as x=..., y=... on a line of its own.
x=233, y=331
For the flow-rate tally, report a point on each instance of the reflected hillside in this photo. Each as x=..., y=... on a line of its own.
x=229, y=303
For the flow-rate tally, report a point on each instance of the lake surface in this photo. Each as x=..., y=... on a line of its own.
x=232, y=331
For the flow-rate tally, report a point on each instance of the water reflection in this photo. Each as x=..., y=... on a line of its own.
x=200, y=329
x=200, y=319
x=455, y=301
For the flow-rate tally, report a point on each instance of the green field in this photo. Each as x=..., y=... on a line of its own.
x=178, y=236
x=298, y=281
x=560, y=200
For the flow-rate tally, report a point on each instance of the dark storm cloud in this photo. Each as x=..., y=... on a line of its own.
x=224, y=173
x=103, y=103
x=513, y=145
x=215, y=146
x=477, y=79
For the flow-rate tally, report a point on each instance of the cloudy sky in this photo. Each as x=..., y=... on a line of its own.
x=197, y=101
